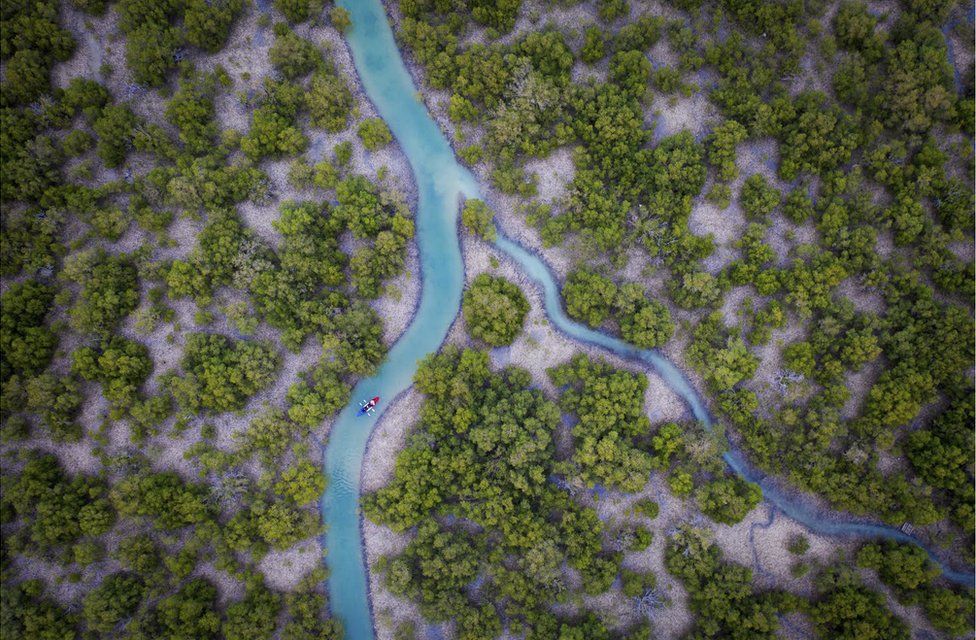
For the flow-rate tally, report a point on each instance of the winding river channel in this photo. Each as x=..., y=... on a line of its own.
x=441, y=182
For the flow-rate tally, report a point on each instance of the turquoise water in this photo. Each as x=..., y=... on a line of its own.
x=440, y=182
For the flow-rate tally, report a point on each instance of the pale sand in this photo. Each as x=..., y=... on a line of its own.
x=760, y=542
x=183, y=232
x=661, y=54
x=859, y=383
x=597, y=73
x=732, y=304
x=165, y=353
x=397, y=310
x=961, y=53
x=75, y=457
x=674, y=619
x=379, y=542
x=54, y=575
x=553, y=173
x=260, y=218
x=885, y=243
x=814, y=74
x=784, y=237
x=766, y=381
x=284, y=570
x=388, y=439
x=676, y=113
x=890, y=464
x=720, y=259
x=726, y=226
x=229, y=588
x=865, y=300
x=963, y=249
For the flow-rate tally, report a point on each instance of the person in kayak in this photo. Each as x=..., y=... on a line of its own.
x=368, y=407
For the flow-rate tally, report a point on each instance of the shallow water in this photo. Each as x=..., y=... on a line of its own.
x=441, y=181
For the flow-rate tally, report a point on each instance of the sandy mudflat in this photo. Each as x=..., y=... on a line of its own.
x=381, y=541
x=397, y=310
x=784, y=237
x=677, y=113
x=552, y=173
x=388, y=439
x=284, y=570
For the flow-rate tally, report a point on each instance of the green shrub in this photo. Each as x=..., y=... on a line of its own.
x=109, y=290
x=115, y=599
x=634, y=583
x=220, y=374
x=57, y=400
x=208, y=24
x=374, y=133
x=494, y=309
x=478, y=219
x=296, y=11
x=594, y=45
x=120, y=365
x=758, y=197
x=589, y=296
x=115, y=128
x=329, y=102
x=191, y=110
x=647, y=508
x=292, y=55
x=26, y=344
x=150, y=52
x=77, y=142
x=728, y=500
x=649, y=326
x=339, y=18
x=798, y=545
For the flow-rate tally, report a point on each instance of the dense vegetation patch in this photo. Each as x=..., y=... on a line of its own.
x=494, y=309
x=476, y=482
x=132, y=293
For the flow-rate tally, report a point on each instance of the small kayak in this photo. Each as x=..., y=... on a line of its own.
x=367, y=407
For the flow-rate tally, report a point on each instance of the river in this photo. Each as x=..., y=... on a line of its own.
x=441, y=182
